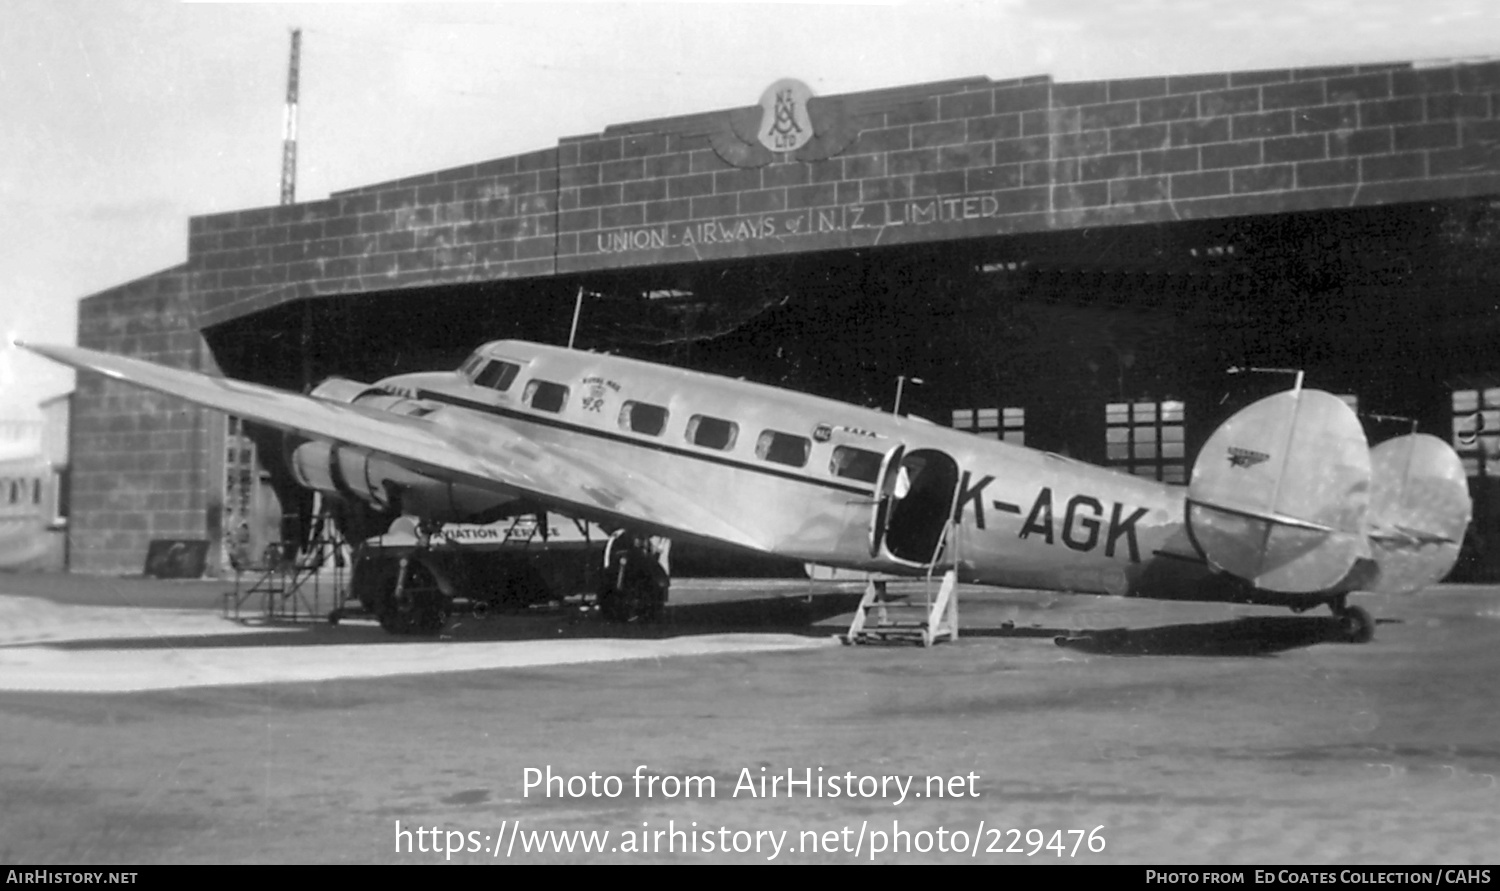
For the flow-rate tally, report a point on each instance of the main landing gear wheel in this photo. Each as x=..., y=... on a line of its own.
x=1356, y=623
x=635, y=589
x=415, y=605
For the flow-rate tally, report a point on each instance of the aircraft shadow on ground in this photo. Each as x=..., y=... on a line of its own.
x=1243, y=636
x=811, y=616
x=767, y=615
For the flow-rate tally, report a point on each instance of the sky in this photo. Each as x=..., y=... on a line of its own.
x=121, y=119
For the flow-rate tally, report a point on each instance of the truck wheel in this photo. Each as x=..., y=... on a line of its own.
x=643, y=595
x=420, y=607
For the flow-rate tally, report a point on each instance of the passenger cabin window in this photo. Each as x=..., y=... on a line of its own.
x=545, y=396
x=36, y=491
x=783, y=448
x=498, y=375
x=712, y=433
x=642, y=417
x=854, y=464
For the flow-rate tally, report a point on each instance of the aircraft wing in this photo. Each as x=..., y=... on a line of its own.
x=561, y=476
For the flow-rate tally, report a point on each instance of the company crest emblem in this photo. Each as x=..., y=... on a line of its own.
x=784, y=123
x=789, y=123
x=1239, y=457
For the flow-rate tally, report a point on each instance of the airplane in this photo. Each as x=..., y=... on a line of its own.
x=1287, y=505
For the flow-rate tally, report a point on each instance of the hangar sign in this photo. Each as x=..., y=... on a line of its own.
x=793, y=224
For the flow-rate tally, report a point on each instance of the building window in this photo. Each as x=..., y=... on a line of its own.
x=712, y=433
x=855, y=464
x=1146, y=439
x=1005, y=424
x=545, y=396
x=1476, y=430
x=60, y=481
x=783, y=448
x=642, y=417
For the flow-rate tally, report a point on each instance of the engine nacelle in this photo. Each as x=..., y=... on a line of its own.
x=355, y=474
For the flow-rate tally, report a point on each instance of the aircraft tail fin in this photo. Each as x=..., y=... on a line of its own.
x=1419, y=510
x=1280, y=492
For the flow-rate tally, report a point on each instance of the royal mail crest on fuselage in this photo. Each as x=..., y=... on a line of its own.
x=785, y=125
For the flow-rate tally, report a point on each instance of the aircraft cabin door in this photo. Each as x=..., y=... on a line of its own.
x=914, y=502
x=888, y=490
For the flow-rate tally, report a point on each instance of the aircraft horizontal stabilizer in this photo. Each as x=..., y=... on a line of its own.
x=1419, y=510
x=1280, y=492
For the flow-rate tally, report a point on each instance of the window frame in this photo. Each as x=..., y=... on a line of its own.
x=509, y=371
x=1006, y=423
x=695, y=426
x=863, y=455
x=1476, y=428
x=1147, y=429
x=770, y=446
x=537, y=386
x=628, y=418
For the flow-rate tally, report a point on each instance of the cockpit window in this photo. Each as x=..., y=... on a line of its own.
x=471, y=365
x=497, y=375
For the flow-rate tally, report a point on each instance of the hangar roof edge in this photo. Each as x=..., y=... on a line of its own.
x=908, y=92
x=696, y=120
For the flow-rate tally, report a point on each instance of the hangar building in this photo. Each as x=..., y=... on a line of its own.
x=1076, y=266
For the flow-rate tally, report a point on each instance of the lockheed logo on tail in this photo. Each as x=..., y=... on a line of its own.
x=1239, y=457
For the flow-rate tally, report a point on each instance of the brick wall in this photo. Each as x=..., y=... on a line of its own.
x=991, y=159
x=962, y=159
x=482, y=222
x=140, y=461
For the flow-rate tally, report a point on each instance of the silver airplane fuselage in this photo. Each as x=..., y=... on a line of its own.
x=803, y=474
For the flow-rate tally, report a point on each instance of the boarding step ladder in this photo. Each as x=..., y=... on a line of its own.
x=289, y=583
x=883, y=617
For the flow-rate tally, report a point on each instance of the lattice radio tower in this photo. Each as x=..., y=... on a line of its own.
x=289, y=126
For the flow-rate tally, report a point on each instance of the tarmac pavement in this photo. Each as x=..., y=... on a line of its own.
x=142, y=727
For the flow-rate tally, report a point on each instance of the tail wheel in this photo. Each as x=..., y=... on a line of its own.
x=1357, y=624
